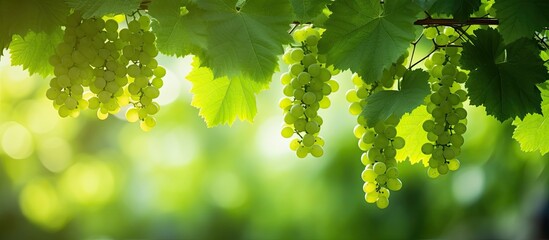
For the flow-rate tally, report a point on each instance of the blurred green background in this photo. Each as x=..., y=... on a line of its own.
x=89, y=179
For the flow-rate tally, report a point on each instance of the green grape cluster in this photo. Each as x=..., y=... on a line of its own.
x=145, y=74
x=92, y=69
x=307, y=85
x=445, y=104
x=379, y=144
x=380, y=174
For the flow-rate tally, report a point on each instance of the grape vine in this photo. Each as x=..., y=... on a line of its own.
x=444, y=56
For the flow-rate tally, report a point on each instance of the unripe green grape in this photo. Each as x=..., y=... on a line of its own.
x=461, y=77
x=351, y=96
x=369, y=187
x=394, y=184
x=454, y=99
x=334, y=85
x=308, y=59
x=359, y=130
x=304, y=78
x=430, y=32
x=102, y=114
x=379, y=168
x=461, y=113
x=314, y=69
x=384, y=192
x=297, y=110
x=300, y=124
x=287, y=132
x=453, y=164
x=442, y=40
x=369, y=175
x=448, y=31
x=371, y=197
x=432, y=172
x=312, y=40
x=437, y=58
x=302, y=151
x=381, y=141
x=427, y=148
x=294, y=144
x=316, y=150
x=398, y=143
x=324, y=75
x=390, y=132
x=308, y=140
x=284, y=103
x=456, y=140
x=364, y=159
x=312, y=127
x=460, y=128
x=382, y=202
x=442, y=169
x=392, y=172
x=325, y=103
x=297, y=54
x=428, y=125
x=449, y=153
x=452, y=118
x=311, y=113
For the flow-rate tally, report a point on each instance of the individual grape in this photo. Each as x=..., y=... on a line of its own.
x=379, y=168
x=317, y=150
x=382, y=202
x=394, y=184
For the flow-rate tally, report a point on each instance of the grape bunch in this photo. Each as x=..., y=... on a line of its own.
x=92, y=69
x=380, y=143
x=307, y=85
x=380, y=174
x=445, y=104
x=145, y=74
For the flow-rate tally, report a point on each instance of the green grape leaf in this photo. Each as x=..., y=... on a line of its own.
x=503, y=77
x=308, y=10
x=410, y=128
x=34, y=50
x=245, y=41
x=20, y=17
x=222, y=100
x=179, y=27
x=366, y=37
x=99, y=8
x=519, y=18
x=531, y=132
x=383, y=104
x=459, y=9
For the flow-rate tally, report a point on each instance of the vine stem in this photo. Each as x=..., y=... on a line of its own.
x=453, y=22
x=144, y=4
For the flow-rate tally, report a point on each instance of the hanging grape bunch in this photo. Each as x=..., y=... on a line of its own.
x=104, y=69
x=307, y=85
x=380, y=143
x=445, y=104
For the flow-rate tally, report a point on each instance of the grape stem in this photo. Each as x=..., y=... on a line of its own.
x=144, y=4
x=541, y=41
x=453, y=22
